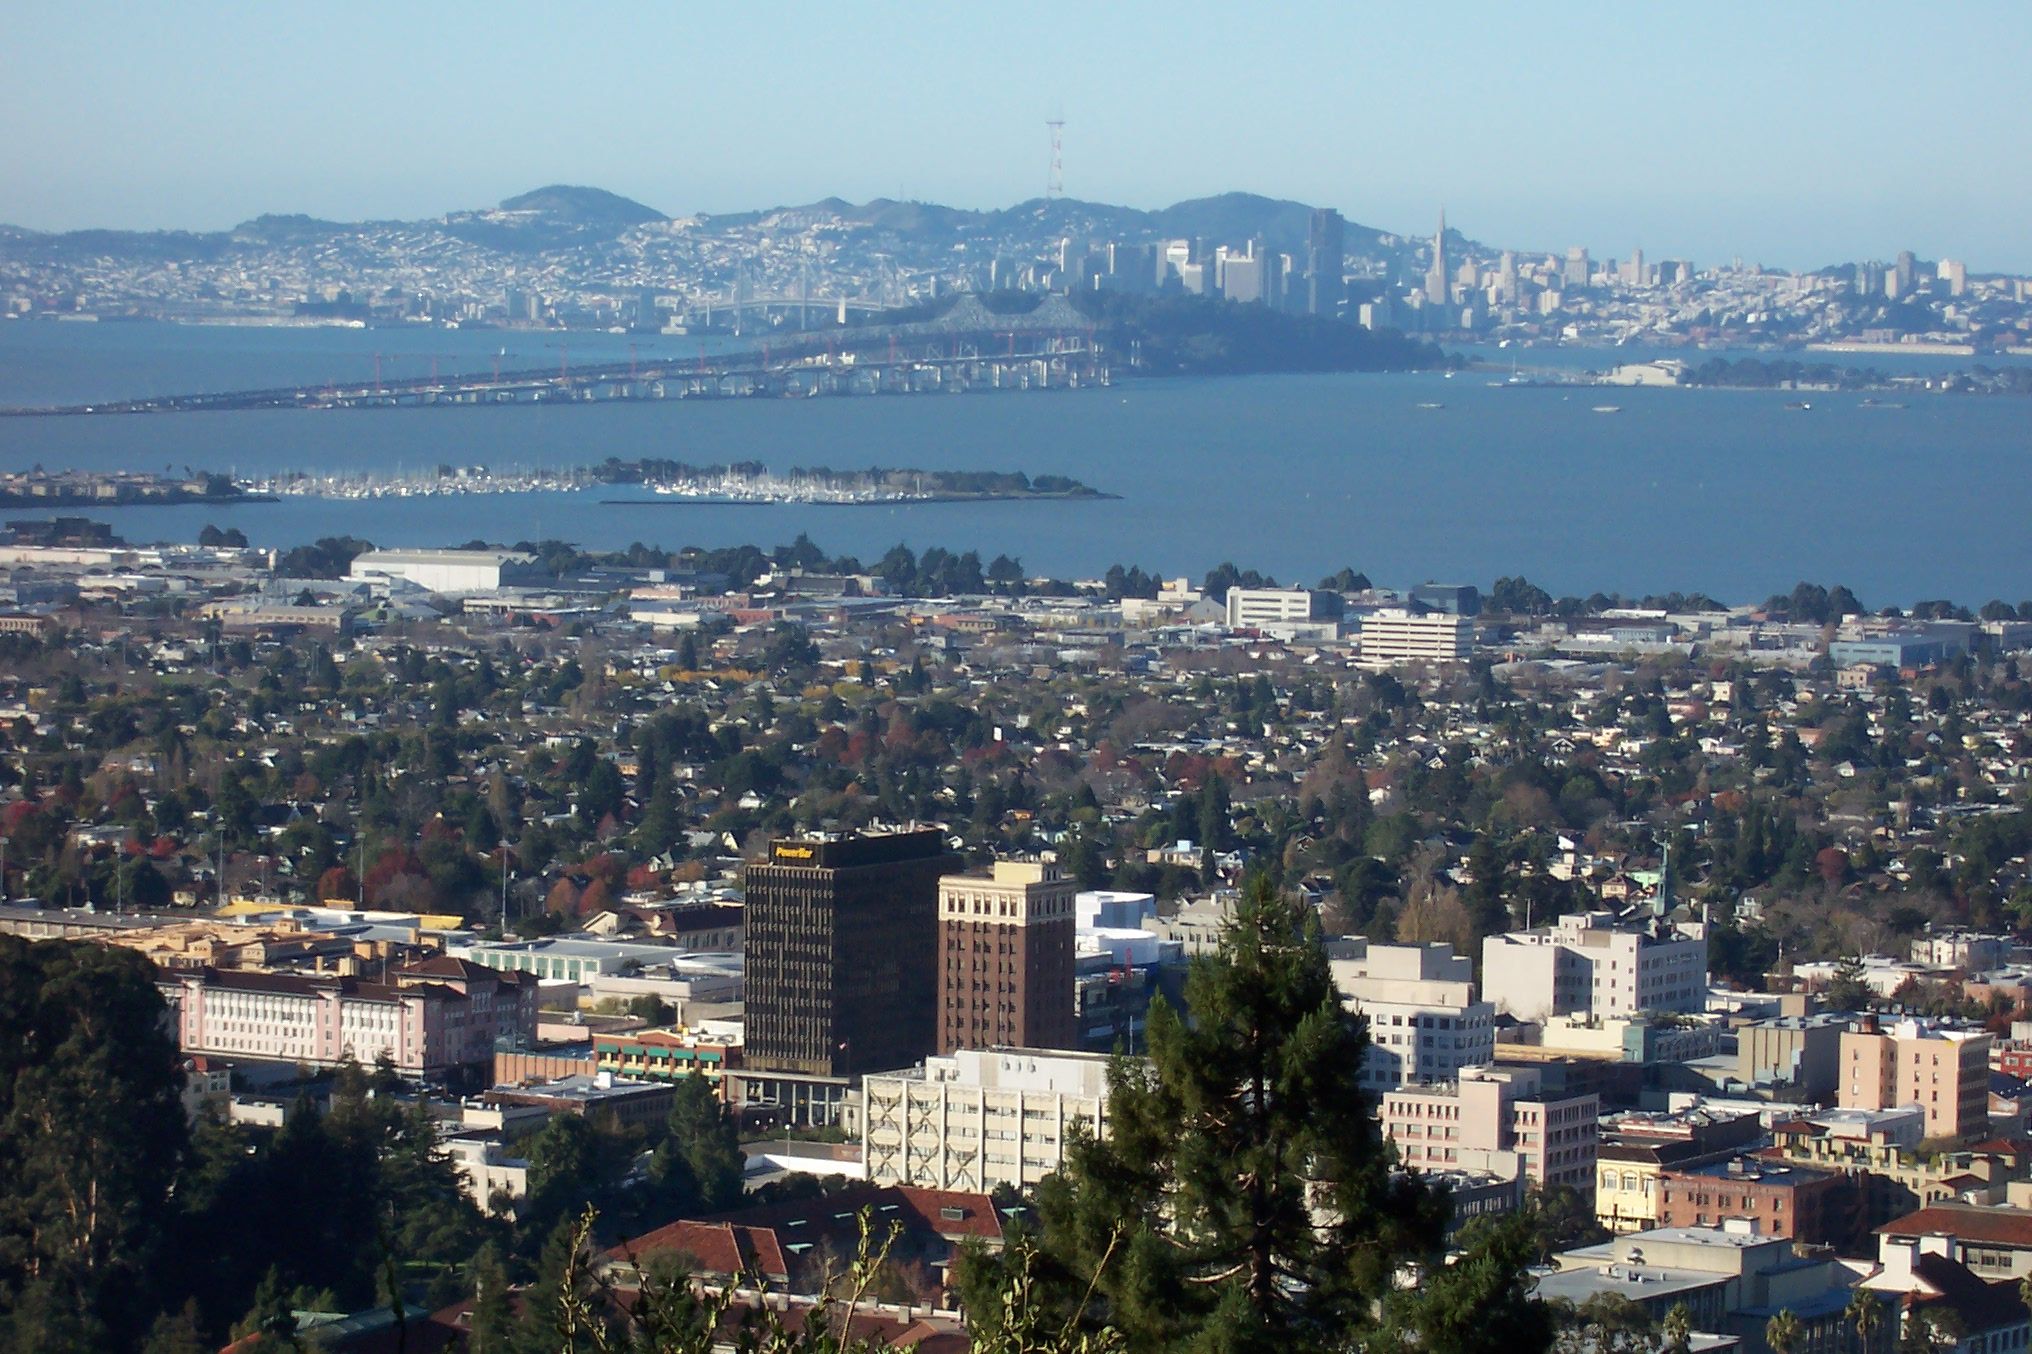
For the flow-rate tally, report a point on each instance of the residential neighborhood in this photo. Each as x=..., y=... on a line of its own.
x=1694, y=927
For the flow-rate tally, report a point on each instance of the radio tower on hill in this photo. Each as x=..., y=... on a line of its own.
x=1056, y=186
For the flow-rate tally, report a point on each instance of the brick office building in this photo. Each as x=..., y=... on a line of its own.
x=1005, y=959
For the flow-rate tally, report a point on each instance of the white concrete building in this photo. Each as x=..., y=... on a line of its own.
x=1424, y=1022
x=1969, y=951
x=981, y=1118
x=486, y=1170
x=1109, y=907
x=1592, y=964
x=1391, y=637
x=447, y=571
x=1255, y=608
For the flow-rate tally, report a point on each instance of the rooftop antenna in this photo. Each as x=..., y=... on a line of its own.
x=1056, y=186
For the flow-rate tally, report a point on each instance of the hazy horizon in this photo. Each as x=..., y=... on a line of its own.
x=1796, y=138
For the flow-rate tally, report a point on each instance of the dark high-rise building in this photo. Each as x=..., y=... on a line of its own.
x=1325, y=262
x=1455, y=599
x=842, y=953
x=1005, y=959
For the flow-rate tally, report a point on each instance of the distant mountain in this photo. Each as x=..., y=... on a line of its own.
x=556, y=217
x=79, y=246
x=291, y=229
x=1230, y=218
x=585, y=240
x=583, y=206
x=1281, y=224
x=563, y=215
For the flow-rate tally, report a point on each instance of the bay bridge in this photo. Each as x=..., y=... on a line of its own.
x=969, y=347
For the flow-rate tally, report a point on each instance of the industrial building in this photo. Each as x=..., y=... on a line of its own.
x=449, y=572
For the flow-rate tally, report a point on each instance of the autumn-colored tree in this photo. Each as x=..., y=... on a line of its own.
x=390, y=865
x=1436, y=913
x=337, y=883
x=563, y=897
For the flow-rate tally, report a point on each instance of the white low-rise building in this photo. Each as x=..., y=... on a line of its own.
x=981, y=1118
x=1593, y=964
x=1258, y=608
x=487, y=1172
x=1424, y=1022
x=451, y=572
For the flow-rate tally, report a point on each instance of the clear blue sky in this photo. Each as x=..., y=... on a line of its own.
x=1793, y=133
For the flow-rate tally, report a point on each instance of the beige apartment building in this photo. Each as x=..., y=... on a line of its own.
x=1945, y=1072
x=1593, y=964
x=1496, y=1119
x=1878, y=1150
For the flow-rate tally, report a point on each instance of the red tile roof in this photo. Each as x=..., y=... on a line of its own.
x=2002, y=1147
x=717, y=1248
x=769, y=1239
x=976, y=1212
x=1966, y=1222
x=1981, y=1306
x=922, y=1207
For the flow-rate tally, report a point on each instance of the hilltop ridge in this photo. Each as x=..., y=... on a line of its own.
x=1231, y=217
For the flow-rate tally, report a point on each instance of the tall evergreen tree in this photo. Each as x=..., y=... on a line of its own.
x=91, y=1131
x=697, y=1167
x=1480, y=1303
x=564, y=1171
x=1243, y=1198
x=493, y=1317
